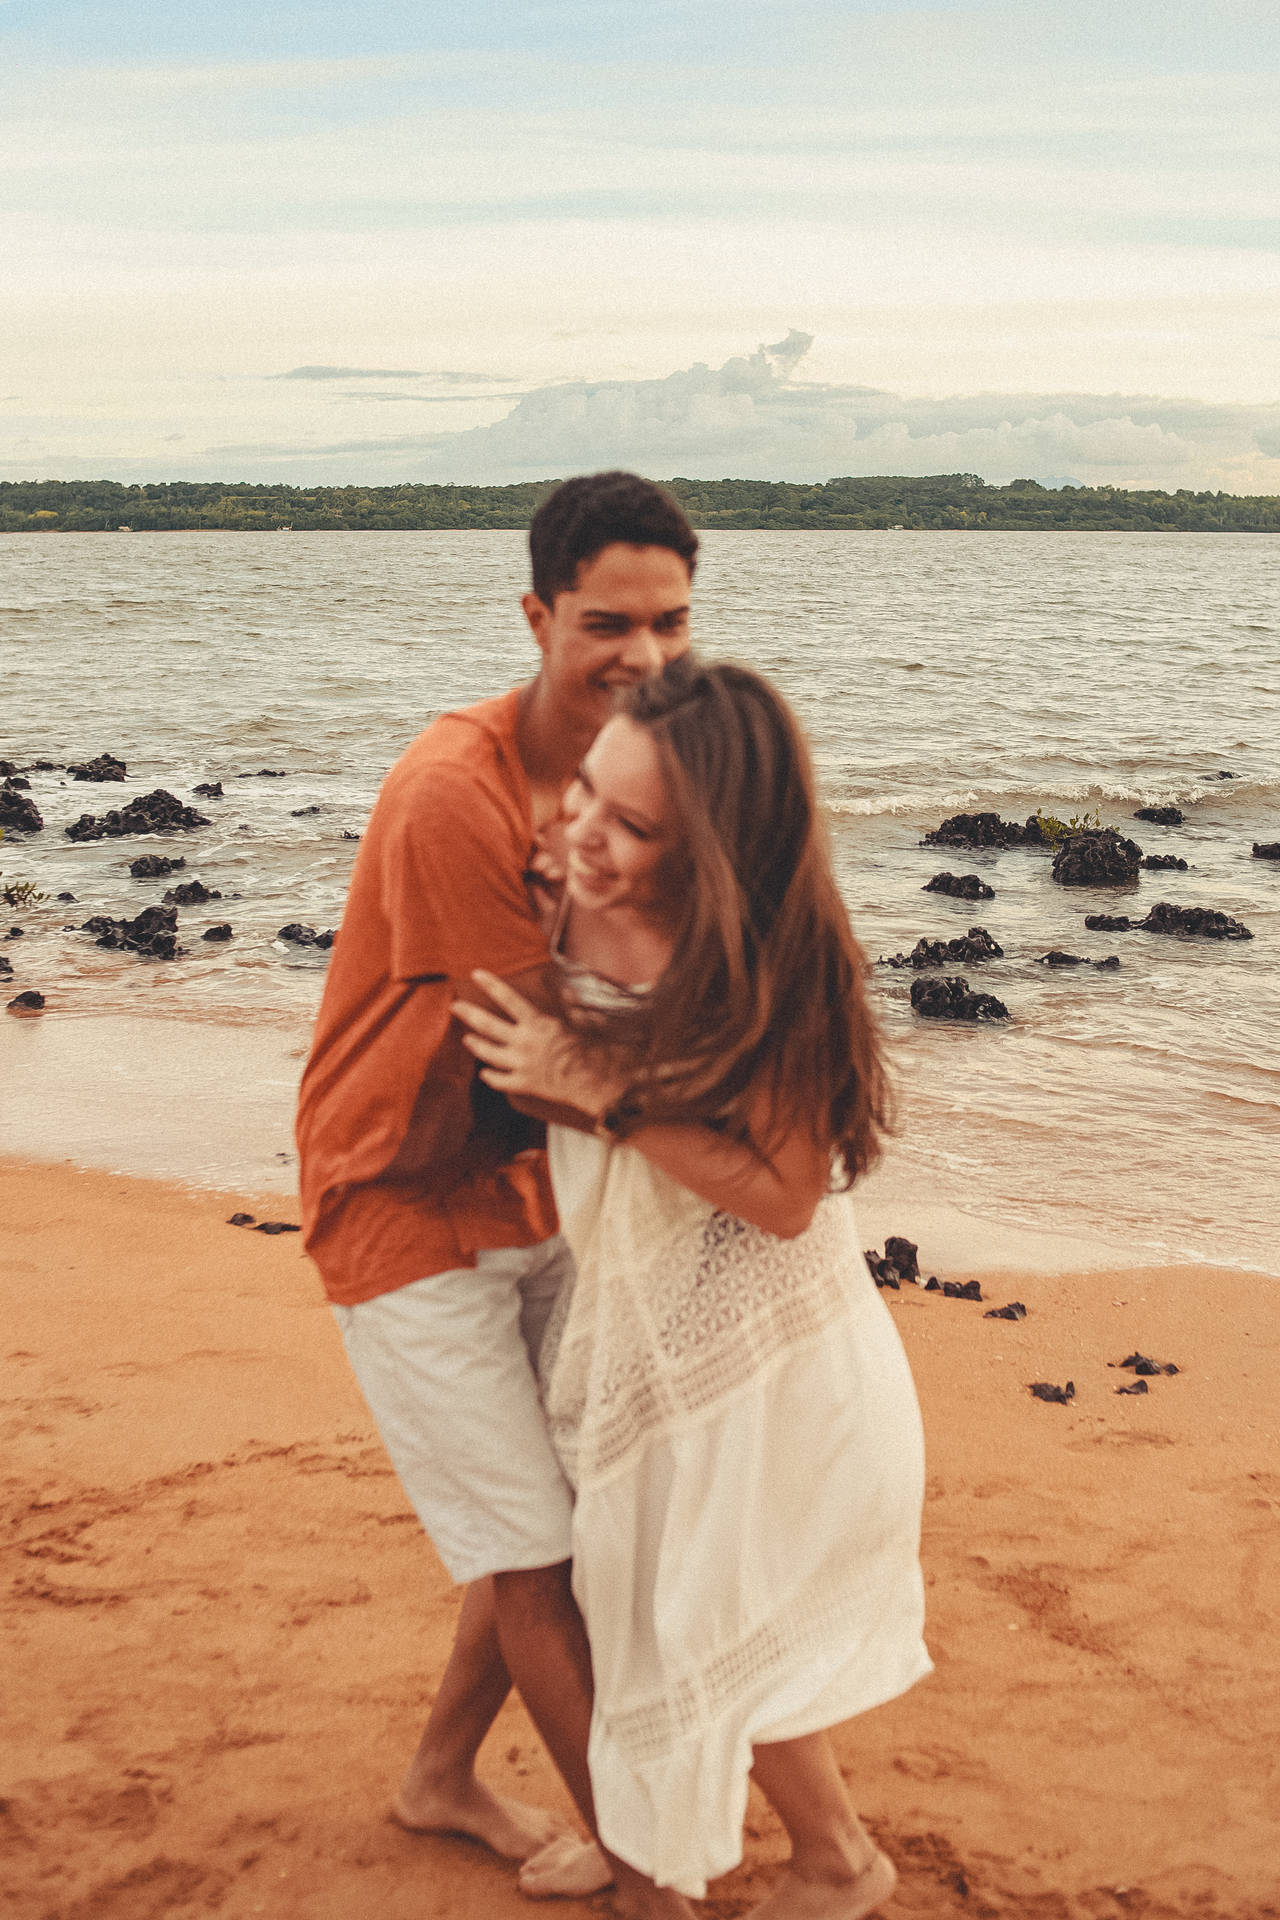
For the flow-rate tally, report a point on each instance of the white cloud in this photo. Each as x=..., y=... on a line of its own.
x=750, y=418
x=753, y=417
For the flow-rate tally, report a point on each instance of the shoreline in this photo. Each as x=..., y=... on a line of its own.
x=209, y=1105
x=216, y=1587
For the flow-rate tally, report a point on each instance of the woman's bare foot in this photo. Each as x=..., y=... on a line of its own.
x=511, y=1828
x=835, y=1898
x=569, y=1868
x=638, y=1899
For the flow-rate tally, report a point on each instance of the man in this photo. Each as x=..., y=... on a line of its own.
x=426, y=1203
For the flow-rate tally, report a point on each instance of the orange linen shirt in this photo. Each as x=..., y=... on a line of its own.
x=409, y=1163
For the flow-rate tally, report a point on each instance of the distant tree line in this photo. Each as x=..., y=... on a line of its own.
x=946, y=500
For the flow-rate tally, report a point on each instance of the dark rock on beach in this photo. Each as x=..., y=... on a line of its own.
x=1142, y=1363
x=962, y=1290
x=952, y=999
x=153, y=866
x=348, y=835
x=1057, y=958
x=16, y=933
x=105, y=767
x=1108, y=965
x=154, y=932
x=17, y=783
x=961, y=886
x=1164, y=863
x=18, y=814
x=44, y=766
x=1014, y=1311
x=976, y=945
x=977, y=830
x=29, y=1002
x=209, y=790
x=1206, y=922
x=240, y=1220
x=897, y=1263
x=1098, y=857
x=155, y=812
x=190, y=893
x=1134, y=1386
x=1057, y=1396
x=8, y=769
x=1161, y=816
x=902, y=1253
x=300, y=813
x=66, y=896
x=276, y=1226
x=221, y=932
x=1108, y=922
x=265, y=773
x=6, y=967
x=1266, y=850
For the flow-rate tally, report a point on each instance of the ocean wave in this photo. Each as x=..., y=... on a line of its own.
x=1083, y=793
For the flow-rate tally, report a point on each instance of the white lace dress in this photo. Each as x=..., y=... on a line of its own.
x=738, y=1419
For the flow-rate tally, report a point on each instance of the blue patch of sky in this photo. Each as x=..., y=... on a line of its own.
x=1144, y=36
x=575, y=29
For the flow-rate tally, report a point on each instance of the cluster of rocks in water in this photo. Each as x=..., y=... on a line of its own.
x=156, y=812
x=190, y=893
x=1205, y=923
x=1057, y=958
x=973, y=946
x=153, y=932
x=1097, y=857
x=18, y=814
x=1161, y=816
x=298, y=935
x=105, y=767
x=953, y=999
x=1083, y=856
x=961, y=886
x=985, y=830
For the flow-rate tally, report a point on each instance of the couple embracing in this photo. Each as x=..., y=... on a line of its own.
x=637, y=1381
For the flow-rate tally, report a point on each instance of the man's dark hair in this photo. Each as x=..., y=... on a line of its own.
x=593, y=511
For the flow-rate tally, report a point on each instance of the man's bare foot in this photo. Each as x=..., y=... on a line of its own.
x=508, y=1826
x=852, y=1899
x=569, y=1868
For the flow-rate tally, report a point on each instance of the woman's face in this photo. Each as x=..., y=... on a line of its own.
x=619, y=831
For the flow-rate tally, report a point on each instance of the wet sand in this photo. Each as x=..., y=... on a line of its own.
x=223, y=1625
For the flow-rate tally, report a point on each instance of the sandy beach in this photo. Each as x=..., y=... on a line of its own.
x=223, y=1625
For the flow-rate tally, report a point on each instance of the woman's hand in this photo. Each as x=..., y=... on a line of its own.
x=533, y=1053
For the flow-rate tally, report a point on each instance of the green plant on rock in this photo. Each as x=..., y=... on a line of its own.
x=1054, y=831
x=19, y=893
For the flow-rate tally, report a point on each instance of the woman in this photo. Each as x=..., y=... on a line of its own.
x=728, y=1393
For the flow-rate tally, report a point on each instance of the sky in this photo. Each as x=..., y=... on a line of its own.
x=760, y=238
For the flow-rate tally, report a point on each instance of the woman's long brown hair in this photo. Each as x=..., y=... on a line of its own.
x=763, y=1007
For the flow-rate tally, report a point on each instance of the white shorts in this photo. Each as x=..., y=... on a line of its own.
x=448, y=1366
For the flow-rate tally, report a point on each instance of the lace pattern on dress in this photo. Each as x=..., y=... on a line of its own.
x=693, y=1702
x=676, y=1307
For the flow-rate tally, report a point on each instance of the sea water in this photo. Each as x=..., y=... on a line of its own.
x=935, y=672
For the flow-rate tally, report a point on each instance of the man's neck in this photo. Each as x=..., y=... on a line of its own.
x=549, y=752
